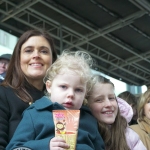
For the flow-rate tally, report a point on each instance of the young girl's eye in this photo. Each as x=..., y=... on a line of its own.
x=63, y=86
x=79, y=90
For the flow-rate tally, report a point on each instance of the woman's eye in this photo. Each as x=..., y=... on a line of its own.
x=28, y=50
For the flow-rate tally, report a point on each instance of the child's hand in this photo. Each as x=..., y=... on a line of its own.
x=58, y=143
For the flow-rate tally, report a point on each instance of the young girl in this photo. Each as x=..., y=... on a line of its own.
x=112, y=126
x=68, y=81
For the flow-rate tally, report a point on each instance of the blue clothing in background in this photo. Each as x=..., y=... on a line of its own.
x=2, y=77
x=36, y=129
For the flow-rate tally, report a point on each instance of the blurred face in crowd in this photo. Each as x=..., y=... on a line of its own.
x=35, y=58
x=147, y=109
x=103, y=104
x=3, y=65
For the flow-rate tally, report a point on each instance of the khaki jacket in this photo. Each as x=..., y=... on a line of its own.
x=145, y=137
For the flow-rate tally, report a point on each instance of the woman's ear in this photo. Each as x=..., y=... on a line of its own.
x=48, y=86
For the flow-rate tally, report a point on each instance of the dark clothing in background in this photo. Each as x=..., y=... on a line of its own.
x=132, y=122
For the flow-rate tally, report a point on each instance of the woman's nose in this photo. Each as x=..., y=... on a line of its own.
x=36, y=54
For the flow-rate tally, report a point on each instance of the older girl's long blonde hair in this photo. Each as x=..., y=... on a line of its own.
x=114, y=137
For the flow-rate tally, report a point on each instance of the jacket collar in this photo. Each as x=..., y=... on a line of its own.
x=144, y=125
x=44, y=103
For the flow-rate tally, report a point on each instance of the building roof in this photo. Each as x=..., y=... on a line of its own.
x=116, y=33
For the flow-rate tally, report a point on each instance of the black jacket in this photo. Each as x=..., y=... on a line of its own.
x=11, y=108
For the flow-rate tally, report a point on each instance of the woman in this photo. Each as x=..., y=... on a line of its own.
x=112, y=125
x=143, y=126
x=32, y=56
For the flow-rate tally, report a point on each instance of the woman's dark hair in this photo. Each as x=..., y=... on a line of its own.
x=15, y=77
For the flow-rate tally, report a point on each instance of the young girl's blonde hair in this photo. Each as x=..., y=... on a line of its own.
x=78, y=61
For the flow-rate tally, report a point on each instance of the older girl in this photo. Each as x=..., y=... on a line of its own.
x=112, y=126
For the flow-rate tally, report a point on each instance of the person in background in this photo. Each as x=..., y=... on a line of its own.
x=132, y=101
x=113, y=127
x=32, y=56
x=68, y=81
x=4, y=62
x=143, y=126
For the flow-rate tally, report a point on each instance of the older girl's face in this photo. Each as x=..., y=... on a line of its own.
x=147, y=109
x=35, y=58
x=103, y=103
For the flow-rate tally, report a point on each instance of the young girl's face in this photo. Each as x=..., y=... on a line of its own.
x=103, y=104
x=67, y=90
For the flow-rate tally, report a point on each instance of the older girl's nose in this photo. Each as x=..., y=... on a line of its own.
x=107, y=103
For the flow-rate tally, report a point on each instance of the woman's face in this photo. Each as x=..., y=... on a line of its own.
x=147, y=110
x=35, y=58
x=103, y=103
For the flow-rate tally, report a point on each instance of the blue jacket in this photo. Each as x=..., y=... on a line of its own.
x=36, y=129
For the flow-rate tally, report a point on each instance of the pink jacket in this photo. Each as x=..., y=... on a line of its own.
x=132, y=137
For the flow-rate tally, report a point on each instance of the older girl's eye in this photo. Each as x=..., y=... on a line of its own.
x=148, y=102
x=99, y=100
x=112, y=98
